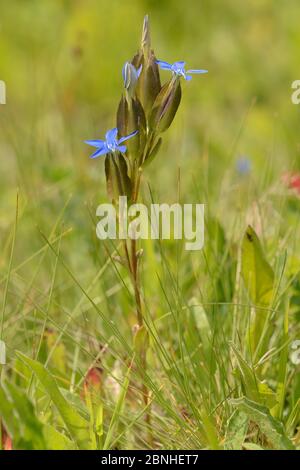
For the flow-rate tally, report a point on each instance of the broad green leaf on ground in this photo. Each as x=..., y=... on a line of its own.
x=256, y=271
x=75, y=423
x=20, y=419
x=269, y=426
x=56, y=440
x=236, y=431
x=258, y=277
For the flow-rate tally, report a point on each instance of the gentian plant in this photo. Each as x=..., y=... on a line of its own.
x=146, y=110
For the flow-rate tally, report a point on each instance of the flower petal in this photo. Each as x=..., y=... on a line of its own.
x=95, y=143
x=179, y=64
x=121, y=148
x=111, y=135
x=127, y=137
x=188, y=77
x=197, y=71
x=164, y=65
x=100, y=152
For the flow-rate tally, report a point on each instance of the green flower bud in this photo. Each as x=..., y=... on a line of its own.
x=165, y=106
x=131, y=116
x=117, y=180
x=148, y=85
x=130, y=77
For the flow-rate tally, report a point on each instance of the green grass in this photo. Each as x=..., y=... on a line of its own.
x=68, y=305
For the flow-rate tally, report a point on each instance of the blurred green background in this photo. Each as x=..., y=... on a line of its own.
x=62, y=60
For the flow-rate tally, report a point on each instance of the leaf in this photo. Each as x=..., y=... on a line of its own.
x=269, y=426
x=56, y=440
x=256, y=271
x=18, y=413
x=253, y=388
x=58, y=357
x=251, y=446
x=117, y=411
x=236, y=431
x=201, y=321
x=7, y=413
x=165, y=106
x=258, y=277
x=76, y=425
x=293, y=417
x=153, y=152
x=117, y=179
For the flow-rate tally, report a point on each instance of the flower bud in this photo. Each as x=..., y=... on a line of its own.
x=148, y=85
x=131, y=116
x=165, y=106
x=117, y=180
x=130, y=77
x=146, y=40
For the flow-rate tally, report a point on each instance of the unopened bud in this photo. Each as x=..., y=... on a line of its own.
x=117, y=180
x=130, y=77
x=131, y=116
x=148, y=85
x=146, y=41
x=165, y=106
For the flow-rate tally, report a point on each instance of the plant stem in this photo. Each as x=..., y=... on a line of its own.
x=133, y=267
x=135, y=278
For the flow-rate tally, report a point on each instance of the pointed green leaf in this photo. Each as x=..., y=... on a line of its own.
x=236, y=430
x=256, y=271
x=56, y=440
x=117, y=411
x=253, y=387
x=20, y=420
x=76, y=425
x=269, y=426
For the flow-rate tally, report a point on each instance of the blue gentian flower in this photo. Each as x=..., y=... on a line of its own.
x=130, y=75
x=178, y=69
x=111, y=143
x=243, y=166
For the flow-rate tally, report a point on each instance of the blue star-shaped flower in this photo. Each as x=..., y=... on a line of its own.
x=111, y=143
x=243, y=166
x=178, y=69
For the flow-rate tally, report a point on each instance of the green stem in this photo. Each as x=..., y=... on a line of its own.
x=133, y=267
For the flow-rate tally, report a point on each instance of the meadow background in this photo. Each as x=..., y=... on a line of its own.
x=65, y=302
